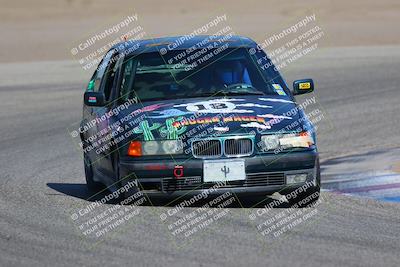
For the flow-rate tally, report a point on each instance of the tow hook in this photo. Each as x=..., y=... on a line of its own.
x=178, y=171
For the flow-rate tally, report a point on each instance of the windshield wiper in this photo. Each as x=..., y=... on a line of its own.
x=226, y=93
x=241, y=88
x=241, y=93
x=208, y=94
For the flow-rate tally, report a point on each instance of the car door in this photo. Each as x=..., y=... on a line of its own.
x=89, y=115
x=104, y=163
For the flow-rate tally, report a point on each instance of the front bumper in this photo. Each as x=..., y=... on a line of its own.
x=264, y=174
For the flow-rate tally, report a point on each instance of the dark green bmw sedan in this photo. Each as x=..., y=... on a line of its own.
x=192, y=114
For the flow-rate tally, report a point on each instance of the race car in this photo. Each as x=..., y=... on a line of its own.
x=192, y=114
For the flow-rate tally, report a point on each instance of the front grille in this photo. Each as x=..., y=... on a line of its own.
x=207, y=148
x=238, y=147
x=215, y=148
x=184, y=183
x=265, y=178
x=195, y=182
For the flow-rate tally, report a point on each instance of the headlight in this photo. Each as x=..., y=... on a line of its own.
x=146, y=148
x=286, y=141
x=150, y=148
x=270, y=142
x=172, y=147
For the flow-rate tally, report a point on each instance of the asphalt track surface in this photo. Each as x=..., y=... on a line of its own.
x=42, y=178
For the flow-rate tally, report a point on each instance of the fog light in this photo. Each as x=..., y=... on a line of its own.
x=296, y=178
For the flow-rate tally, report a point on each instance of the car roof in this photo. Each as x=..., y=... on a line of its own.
x=183, y=42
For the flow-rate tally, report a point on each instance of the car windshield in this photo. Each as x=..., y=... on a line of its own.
x=150, y=76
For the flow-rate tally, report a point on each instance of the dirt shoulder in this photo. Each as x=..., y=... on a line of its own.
x=48, y=29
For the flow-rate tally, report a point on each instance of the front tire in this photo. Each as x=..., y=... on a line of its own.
x=121, y=181
x=92, y=186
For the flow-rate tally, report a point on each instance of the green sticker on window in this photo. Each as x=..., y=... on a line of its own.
x=90, y=86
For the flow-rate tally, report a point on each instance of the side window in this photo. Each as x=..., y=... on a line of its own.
x=117, y=70
x=95, y=82
x=109, y=75
x=127, y=77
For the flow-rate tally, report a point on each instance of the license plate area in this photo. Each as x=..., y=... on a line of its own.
x=224, y=170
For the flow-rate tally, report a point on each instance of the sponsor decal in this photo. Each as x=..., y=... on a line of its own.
x=278, y=88
x=221, y=129
x=173, y=112
x=272, y=116
x=207, y=120
x=92, y=99
x=220, y=106
x=256, y=125
x=147, y=130
x=167, y=131
x=275, y=100
x=281, y=92
x=151, y=108
x=254, y=105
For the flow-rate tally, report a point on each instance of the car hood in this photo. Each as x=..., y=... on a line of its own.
x=195, y=117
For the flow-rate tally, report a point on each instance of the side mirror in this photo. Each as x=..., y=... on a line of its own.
x=303, y=86
x=96, y=99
